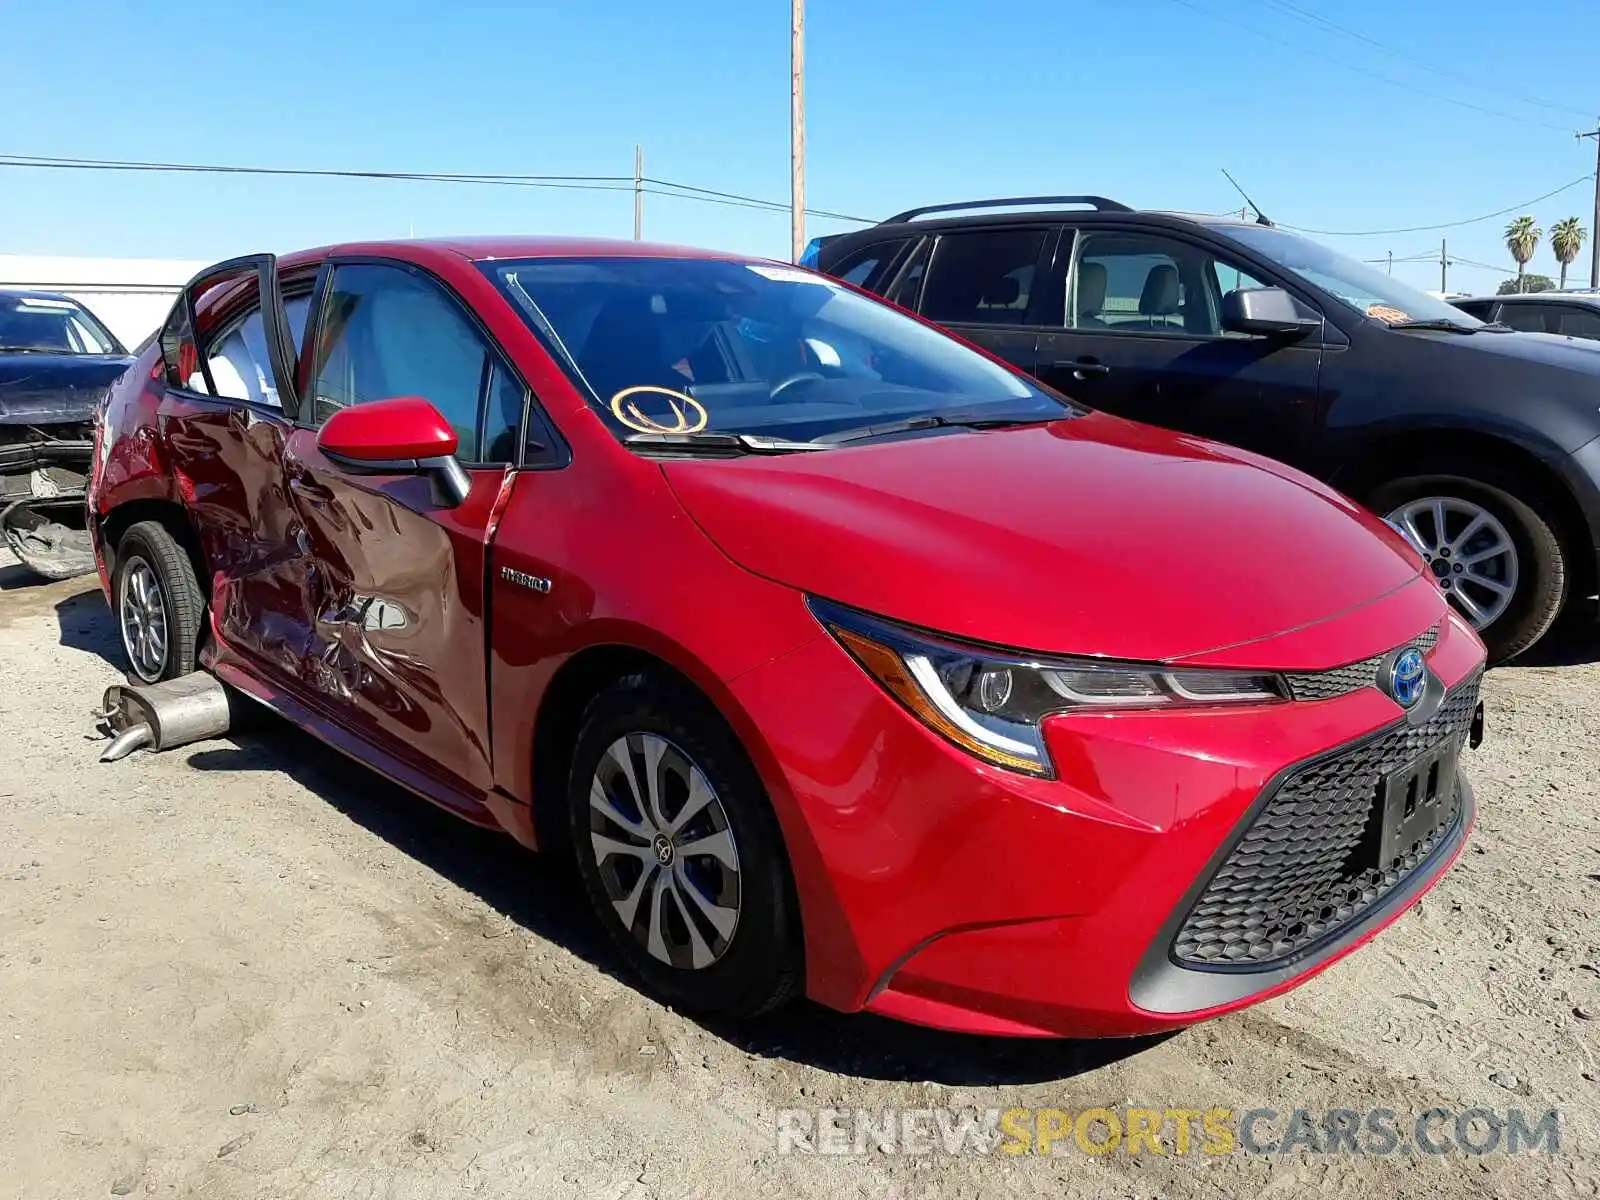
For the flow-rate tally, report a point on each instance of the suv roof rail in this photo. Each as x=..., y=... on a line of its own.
x=1099, y=203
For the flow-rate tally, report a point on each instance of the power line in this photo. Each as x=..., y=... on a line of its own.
x=727, y=202
x=593, y=183
x=1349, y=66
x=111, y=164
x=1445, y=225
x=1333, y=26
x=753, y=200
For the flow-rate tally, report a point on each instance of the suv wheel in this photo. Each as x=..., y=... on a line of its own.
x=158, y=603
x=1495, y=558
x=680, y=853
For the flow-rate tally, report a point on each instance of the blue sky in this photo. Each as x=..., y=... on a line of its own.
x=908, y=103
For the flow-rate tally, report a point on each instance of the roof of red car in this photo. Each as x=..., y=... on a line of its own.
x=488, y=246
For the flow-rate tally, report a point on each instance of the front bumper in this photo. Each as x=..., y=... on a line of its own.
x=938, y=890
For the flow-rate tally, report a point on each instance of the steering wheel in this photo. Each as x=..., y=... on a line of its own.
x=798, y=377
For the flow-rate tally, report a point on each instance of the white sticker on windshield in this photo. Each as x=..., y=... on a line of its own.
x=787, y=274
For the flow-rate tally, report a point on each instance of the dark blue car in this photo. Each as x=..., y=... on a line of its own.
x=57, y=362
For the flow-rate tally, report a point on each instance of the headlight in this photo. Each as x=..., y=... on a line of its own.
x=991, y=702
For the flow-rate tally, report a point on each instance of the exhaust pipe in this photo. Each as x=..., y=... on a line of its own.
x=126, y=742
x=163, y=715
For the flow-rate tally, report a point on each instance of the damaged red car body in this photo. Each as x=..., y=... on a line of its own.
x=839, y=656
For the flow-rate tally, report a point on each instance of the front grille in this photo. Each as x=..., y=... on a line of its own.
x=1299, y=873
x=1341, y=681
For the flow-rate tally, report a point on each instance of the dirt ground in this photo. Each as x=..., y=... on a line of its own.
x=247, y=968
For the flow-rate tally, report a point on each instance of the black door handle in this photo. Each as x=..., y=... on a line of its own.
x=1082, y=368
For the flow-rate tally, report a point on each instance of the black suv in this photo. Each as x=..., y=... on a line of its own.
x=1570, y=314
x=1480, y=444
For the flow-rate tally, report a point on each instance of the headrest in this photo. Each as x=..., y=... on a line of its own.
x=1003, y=292
x=1091, y=288
x=1160, y=295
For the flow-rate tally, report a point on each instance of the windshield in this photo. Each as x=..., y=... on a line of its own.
x=51, y=325
x=688, y=345
x=1371, y=293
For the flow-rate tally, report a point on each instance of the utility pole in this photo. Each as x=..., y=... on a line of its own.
x=1391, y=262
x=797, y=126
x=1594, y=230
x=1444, y=270
x=638, y=192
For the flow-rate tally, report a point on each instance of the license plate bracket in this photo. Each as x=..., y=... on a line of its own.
x=1414, y=802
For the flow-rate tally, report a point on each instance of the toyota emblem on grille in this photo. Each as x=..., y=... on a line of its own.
x=1404, y=676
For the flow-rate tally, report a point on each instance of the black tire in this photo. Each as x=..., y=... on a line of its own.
x=149, y=543
x=760, y=967
x=1543, y=572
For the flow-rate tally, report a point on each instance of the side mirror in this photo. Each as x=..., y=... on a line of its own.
x=1268, y=310
x=403, y=436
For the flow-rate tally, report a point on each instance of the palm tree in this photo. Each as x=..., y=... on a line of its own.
x=1566, y=239
x=1522, y=239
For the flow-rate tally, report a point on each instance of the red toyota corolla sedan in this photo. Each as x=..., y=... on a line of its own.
x=840, y=656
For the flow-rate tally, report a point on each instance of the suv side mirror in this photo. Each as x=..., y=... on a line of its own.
x=403, y=436
x=1267, y=310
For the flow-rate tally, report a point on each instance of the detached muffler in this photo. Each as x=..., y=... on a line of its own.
x=160, y=716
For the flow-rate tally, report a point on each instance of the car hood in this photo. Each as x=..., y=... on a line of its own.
x=46, y=389
x=1550, y=349
x=1086, y=536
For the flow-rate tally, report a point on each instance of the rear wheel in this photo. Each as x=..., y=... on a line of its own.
x=1496, y=559
x=158, y=603
x=680, y=853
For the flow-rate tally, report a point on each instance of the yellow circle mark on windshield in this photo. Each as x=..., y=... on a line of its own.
x=688, y=414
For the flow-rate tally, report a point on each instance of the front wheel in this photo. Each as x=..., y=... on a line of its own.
x=680, y=852
x=1496, y=559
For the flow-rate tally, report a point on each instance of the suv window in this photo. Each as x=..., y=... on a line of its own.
x=387, y=332
x=908, y=287
x=1475, y=308
x=238, y=356
x=864, y=267
x=1529, y=318
x=1147, y=283
x=1578, y=322
x=983, y=277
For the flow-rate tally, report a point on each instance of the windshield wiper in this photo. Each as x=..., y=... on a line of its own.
x=718, y=445
x=1440, y=324
x=932, y=421
x=34, y=350
x=713, y=444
